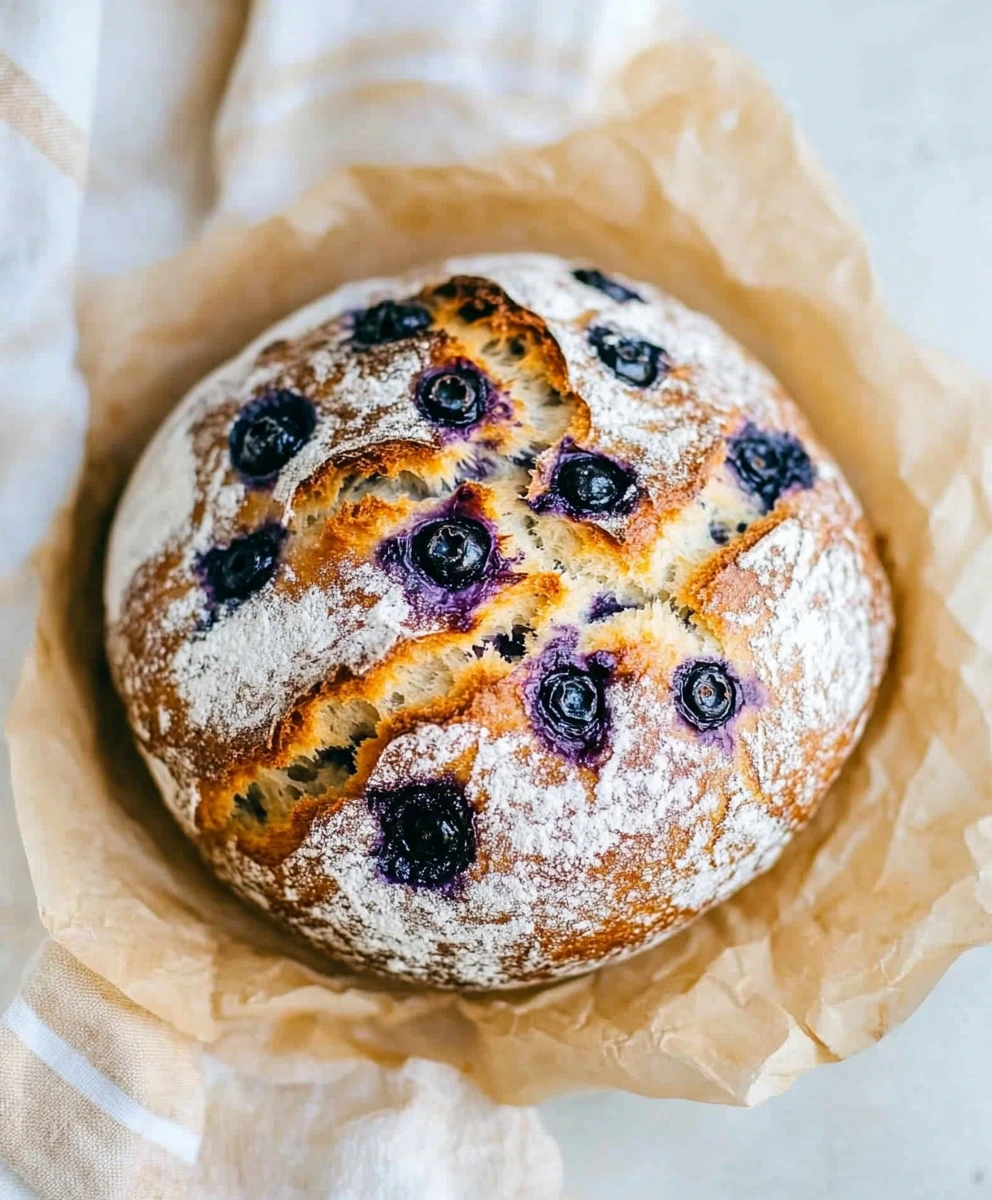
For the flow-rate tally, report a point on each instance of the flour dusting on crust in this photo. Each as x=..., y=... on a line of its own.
x=725, y=627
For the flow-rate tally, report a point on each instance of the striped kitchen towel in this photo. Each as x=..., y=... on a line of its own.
x=98, y=1098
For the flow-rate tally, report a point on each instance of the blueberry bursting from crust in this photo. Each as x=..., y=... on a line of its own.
x=768, y=463
x=631, y=359
x=427, y=833
x=572, y=703
x=390, y=321
x=234, y=572
x=593, y=485
x=269, y=431
x=448, y=563
x=454, y=395
x=452, y=551
x=707, y=695
x=569, y=707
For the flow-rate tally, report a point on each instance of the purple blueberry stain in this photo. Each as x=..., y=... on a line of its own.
x=389, y=321
x=631, y=359
x=233, y=573
x=269, y=431
x=709, y=695
x=617, y=291
x=768, y=463
x=448, y=562
x=586, y=484
x=426, y=833
x=566, y=695
x=607, y=605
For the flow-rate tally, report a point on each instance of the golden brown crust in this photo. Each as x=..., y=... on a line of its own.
x=272, y=725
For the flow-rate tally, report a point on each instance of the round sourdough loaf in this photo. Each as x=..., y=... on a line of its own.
x=492, y=622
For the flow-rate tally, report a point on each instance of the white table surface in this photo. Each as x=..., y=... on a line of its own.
x=896, y=96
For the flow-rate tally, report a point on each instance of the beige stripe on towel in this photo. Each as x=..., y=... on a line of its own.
x=98, y=1099
x=26, y=108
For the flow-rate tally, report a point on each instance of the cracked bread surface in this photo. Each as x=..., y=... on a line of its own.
x=666, y=636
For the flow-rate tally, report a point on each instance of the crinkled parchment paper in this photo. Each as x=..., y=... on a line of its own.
x=704, y=187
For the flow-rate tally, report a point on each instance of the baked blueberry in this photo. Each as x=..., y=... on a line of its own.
x=390, y=321
x=572, y=706
x=631, y=359
x=452, y=551
x=428, y=834
x=706, y=694
x=592, y=485
x=269, y=432
x=453, y=395
x=234, y=572
x=768, y=463
x=603, y=283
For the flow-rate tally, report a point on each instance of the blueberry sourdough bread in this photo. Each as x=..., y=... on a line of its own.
x=490, y=623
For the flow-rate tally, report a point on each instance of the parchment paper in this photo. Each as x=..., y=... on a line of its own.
x=705, y=188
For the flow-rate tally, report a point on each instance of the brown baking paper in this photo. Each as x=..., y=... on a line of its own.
x=705, y=188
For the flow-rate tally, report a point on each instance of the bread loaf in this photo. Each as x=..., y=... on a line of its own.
x=491, y=623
